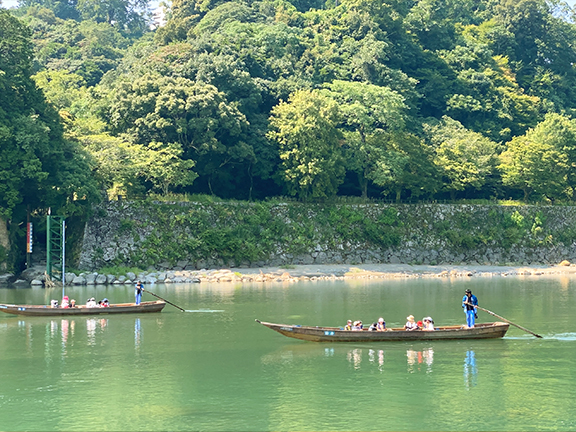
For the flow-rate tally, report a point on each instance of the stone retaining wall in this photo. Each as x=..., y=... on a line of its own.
x=121, y=232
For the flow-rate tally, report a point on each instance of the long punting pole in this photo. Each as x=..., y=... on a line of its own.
x=508, y=321
x=170, y=303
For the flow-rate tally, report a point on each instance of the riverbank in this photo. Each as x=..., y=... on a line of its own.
x=310, y=272
x=394, y=271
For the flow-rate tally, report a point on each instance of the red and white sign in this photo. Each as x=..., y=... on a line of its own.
x=29, y=237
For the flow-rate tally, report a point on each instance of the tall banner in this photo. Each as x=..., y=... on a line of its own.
x=29, y=237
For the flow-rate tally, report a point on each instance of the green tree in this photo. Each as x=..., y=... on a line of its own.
x=367, y=110
x=541, y=161
x=61, y=88
x=38, y=167
x=309, y=144
x=194, y=115
x=466, y=158
x=164, y=167
x=405, y=164
x=126, y=14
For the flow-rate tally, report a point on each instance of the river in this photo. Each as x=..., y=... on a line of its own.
x=221, y=371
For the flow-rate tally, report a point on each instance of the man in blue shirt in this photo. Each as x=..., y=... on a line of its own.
x=469, y=303
x=138, y=292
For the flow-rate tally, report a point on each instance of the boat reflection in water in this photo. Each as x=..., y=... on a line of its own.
x=416, y=359
x=67, y=330
x=375, y=357
x=91, y=325
x=470, y=370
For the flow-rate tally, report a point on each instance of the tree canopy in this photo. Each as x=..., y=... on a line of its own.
x=38, y=166
x=313, y=98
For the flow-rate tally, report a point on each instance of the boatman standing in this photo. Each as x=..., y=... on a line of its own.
x=139, y=288
x=469, y=303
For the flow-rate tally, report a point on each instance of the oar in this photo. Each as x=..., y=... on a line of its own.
x=509, y=322
x=156, y=295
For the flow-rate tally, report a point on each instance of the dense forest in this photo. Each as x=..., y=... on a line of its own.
x=395, y=99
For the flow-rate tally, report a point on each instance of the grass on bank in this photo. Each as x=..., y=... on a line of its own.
x=209, y=199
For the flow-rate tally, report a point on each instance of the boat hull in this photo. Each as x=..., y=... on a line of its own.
x=336, y=334
x=119, y=308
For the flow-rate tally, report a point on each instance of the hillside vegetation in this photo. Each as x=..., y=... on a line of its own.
x=247, y=100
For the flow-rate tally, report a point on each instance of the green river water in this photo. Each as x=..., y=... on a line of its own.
x=221, y=371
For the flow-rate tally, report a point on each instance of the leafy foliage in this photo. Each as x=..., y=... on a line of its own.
x=243, y=100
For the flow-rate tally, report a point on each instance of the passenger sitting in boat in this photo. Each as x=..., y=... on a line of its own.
x=105, y=303
x=381, y=325
x=357, y=325
x=410, y=324
x=65, y=302
x=72, y=303
x=373, y=327
x=428, y=324
x=348, y=325
x=53, y=304
x=91, y=303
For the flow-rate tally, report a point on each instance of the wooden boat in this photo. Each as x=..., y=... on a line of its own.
x=337, y=334
x=119, y=308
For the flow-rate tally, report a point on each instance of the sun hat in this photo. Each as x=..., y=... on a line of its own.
x=410, y=318
x=357, y=322
x=468, y=291
x=380, y=319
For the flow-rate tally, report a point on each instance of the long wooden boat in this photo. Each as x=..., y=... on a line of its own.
x=337, y=334
x=118, y=308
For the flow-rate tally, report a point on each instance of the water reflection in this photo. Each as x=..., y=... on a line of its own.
x=91, y=325
x=376, y=357
x=137, y=333
x=470, y=370
x=416, y=359
x=67, y=330
x=355, y=357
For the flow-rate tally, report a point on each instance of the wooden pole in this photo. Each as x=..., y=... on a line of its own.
x=509, y=322
x=156, y=295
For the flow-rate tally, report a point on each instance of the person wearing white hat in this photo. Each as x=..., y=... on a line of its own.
x=428, y=324
x=410, y=324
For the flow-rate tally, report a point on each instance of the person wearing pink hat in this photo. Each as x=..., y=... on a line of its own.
x=65, y=302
